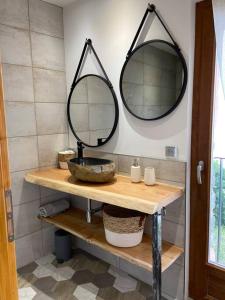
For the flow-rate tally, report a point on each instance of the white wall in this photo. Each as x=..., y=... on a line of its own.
x=111, y=25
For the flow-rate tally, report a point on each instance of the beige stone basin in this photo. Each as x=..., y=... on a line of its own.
x=90, y=169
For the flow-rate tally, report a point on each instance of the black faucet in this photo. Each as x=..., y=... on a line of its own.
x=80, y=148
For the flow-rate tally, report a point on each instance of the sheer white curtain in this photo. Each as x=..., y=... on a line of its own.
x=219, y=107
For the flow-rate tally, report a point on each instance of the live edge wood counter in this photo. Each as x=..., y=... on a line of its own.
x=152, y=254
x=120, y=192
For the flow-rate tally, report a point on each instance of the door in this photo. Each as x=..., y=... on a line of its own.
x=207, y=237
x=8, y=278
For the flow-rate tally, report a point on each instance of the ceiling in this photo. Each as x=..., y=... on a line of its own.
x=61, y=3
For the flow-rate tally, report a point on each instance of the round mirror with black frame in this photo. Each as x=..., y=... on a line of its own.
x=153, y=80
x=92, y=107
x=93, y=110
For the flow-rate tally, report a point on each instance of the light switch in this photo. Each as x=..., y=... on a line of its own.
x=171, y=152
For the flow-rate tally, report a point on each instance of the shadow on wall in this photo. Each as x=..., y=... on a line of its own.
x=149, y=129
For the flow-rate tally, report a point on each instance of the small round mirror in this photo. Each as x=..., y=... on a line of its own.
x=153, y=80
x=92, y=110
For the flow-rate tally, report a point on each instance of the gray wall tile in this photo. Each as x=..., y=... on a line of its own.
x=104, y=255
x=18, y=83
x=48, y=147
x=167, y=169
x=23, y=191
x=19, y=69
x=14, y=13
x=173, y=282
x=54, y=197
x=152, y=95
x=20, y=117
x=125, y=162
x=46, y=192
x=100, y=133
x=48, y=239
x=25, y=218
x=80, y=94
x=134, y=72
x=152, y=75
x=134, y=93
x=101, y=116
x=173, y=233
x=51, y=118
x=175, y=212
x=23, y=153
x=172, y=170
x=46, y=18
x=98, y=91
x=29, y=248
x=49, y=86
x=84, y=136
x=47, y=52
x=79, y=116
x=15, y=46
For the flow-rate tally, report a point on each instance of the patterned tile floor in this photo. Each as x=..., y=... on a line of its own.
x=84, y=277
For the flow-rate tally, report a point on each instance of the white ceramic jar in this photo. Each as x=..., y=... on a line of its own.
x=149, y=176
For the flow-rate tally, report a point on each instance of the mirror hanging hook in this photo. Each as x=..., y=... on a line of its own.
x=150, y=9
x=88, y=45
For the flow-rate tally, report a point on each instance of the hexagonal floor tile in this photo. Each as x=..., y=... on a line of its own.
x=64, y=290
x=27, y=293
x=103, y=280
x=123, y=282
x=99, y=267
x=27, y=269
x=45, y=284
x=59, y=274
x=134, y=295
x=87, y=291
x=83, y=276
x=108, y=293
x=43, y=271
x=45, y=260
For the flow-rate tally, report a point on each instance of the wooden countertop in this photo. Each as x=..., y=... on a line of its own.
x=120, y=192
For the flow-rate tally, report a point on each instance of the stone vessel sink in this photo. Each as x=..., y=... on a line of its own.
x=91, y=169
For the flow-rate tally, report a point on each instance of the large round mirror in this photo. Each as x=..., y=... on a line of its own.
x=153, y=80
x=92, y=110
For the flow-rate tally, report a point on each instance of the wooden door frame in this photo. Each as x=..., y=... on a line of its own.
x=8, y=276
x=205, y=280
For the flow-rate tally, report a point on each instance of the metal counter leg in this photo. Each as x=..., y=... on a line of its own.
x=88, y=211
x=156, y=253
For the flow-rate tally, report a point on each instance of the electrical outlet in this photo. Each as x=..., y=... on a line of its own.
x=171, y=152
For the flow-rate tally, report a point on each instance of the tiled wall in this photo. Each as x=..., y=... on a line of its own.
x=32, y=51
x=168, y=171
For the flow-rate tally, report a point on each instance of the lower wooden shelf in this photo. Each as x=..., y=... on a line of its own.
x=74, y=221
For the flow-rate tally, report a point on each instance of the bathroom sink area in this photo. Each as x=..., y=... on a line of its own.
x=90, y=169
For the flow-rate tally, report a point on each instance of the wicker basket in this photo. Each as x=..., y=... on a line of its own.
x=123, y=227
